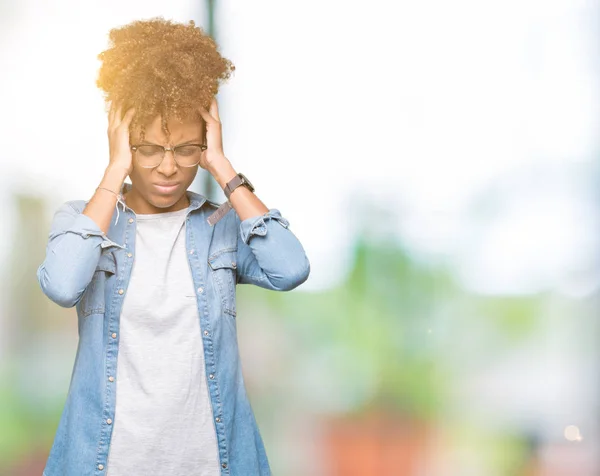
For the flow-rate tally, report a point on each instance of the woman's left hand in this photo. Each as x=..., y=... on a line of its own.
x=214, y=137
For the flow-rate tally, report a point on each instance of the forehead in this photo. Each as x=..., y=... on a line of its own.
x=189, y=129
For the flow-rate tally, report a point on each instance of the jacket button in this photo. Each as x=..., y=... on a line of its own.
x=100, y=467
x=121, y=291
x=191, y=252
x=200, y=290
x=205, y=333
x=114, y=335
x=129, y=255
x=109, y=421
x=224, y=465
x=211, y=376
x=111, y=379
x=233, y=264
x=131, y=220
x=217, y=419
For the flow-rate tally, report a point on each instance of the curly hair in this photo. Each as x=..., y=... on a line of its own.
x=161, y=68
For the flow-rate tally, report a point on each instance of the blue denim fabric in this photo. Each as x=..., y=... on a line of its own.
x=90, y=270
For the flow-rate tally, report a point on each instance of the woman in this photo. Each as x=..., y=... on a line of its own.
x=157, y=385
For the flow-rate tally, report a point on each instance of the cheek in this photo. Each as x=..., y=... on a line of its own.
x=187, y=177
x=137, y=176
x=190, y=175
x=140, y=178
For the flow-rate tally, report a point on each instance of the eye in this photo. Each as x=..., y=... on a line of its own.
x=188, y=150
x=150, y=150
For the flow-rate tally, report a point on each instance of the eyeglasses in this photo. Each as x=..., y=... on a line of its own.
x=151, y=155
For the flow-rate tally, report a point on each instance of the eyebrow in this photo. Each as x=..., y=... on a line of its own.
x=194, y=141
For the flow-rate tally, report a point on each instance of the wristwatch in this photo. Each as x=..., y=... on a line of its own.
x=235, y=182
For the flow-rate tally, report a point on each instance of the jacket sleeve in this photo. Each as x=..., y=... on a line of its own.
x=269, y=255
x=75, y=243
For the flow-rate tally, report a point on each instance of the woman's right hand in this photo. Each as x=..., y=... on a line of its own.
x=118, y=138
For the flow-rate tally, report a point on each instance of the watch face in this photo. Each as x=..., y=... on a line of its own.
x=245, y=179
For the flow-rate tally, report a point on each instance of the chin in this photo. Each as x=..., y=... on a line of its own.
x=165, y=201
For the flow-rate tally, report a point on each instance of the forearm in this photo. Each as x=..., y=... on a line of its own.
x=245, y=202
x=101, y=206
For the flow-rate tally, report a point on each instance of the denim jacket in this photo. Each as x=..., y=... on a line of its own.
x=88, y=269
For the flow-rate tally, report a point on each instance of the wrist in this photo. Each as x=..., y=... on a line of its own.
x=114, y=176
x=222, y=171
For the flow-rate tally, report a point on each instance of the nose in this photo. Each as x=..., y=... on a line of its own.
x=168, y=166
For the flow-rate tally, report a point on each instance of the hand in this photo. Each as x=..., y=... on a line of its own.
x=214, y=136
x=118, y=138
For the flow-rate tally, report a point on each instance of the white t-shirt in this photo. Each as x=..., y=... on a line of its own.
x=163, y=422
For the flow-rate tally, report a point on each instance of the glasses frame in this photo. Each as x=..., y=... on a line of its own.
x=173, y=149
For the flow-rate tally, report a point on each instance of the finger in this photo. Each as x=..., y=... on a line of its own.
x=126, y=124
x=119, y=117
x=214, y=109
x=128, y=117
x=206, y=116
x=111, y=113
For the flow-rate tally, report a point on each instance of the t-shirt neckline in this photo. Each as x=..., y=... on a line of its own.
x=158, y=216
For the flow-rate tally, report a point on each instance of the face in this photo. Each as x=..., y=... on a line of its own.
x=146, y=196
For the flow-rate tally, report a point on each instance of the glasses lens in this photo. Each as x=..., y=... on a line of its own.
x=149, y=155
x=188, y=155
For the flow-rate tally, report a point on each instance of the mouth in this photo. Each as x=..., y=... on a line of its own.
x=166, y=189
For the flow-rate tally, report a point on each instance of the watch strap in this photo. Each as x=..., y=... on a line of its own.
x=232, y=185
x=219, y=213
x=235, y=182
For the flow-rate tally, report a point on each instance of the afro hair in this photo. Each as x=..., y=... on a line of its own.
x=161, y=68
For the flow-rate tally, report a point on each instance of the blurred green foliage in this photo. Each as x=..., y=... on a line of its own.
x=383, y=336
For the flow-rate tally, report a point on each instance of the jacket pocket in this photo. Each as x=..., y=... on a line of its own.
x=224, y=271
x=93, y=299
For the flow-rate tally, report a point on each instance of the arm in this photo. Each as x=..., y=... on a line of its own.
x=76, y=239
x=269, y=255
x=75, y=243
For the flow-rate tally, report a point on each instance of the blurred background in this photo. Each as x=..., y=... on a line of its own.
x=438, y=160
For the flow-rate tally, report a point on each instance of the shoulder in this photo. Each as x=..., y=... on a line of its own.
x=72, y=207
x=211, y=203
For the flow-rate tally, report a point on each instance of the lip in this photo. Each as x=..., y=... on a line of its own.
x=165, y=188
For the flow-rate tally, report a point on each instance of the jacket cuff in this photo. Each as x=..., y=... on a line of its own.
x=84, y=226
x=258, y=226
